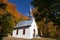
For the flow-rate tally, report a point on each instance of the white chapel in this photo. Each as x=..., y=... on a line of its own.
x=26, y=29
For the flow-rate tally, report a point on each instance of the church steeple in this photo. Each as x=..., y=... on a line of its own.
x=31, y=14
x=30, y=10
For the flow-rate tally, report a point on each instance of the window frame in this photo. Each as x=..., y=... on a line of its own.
x=17, y=32
x=23, y=30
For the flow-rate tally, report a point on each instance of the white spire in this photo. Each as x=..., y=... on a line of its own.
x=31, y=14
x=30, y=10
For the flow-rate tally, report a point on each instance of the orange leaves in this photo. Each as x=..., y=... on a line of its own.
x=11, y=8
x=1, y=12
x=4, y=1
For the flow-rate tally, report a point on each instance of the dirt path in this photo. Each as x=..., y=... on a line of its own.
x=11, y=38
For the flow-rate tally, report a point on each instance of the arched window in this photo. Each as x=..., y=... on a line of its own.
x=17, y=32
x=23, y=30
x=34, y=33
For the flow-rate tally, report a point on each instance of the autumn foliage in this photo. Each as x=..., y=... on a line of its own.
x=9, y=17
x=47, y=15
x=11, y=8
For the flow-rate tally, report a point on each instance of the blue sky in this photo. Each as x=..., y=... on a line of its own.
x=23, y=6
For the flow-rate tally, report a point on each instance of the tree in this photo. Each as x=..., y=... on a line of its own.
x=6, y=24
x=47, y=10
x=9, y=17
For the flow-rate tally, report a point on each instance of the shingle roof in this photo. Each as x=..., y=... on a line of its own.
x=24, y=23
